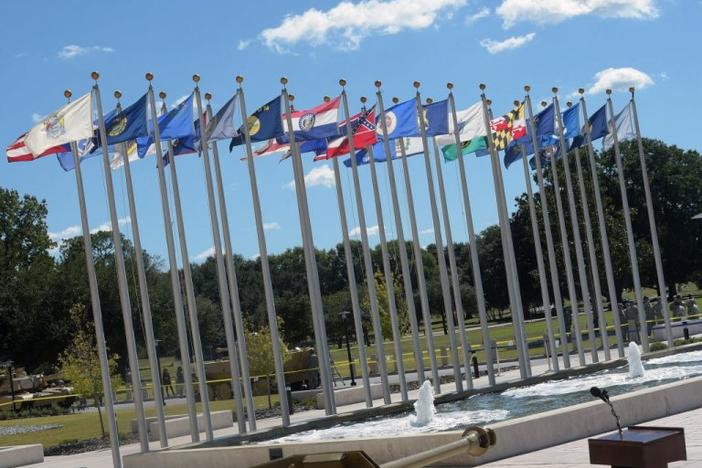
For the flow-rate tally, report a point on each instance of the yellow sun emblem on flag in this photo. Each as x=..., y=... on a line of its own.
x=118, y=125
x=253, y=124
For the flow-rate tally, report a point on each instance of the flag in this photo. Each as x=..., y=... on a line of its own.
x=436, y=118
x=571, y=122
x=265, y=123
x=177, y=123
x=624, y=123
x=86, y=150
x=467, y=147
x=401, y=120
x=222, y=124
x=17, y=151
x=412, y=146
x=316, y=123
x=270, y=147
x=128, y=124
x=363, y=131
x=510, y=126
x=471, y=122
x=72, y=122
x=598, y=127
x=548, y=153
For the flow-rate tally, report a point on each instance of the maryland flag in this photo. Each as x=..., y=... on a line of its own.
x=510, y=126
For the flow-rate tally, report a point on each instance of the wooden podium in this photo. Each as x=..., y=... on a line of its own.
x=639, y=447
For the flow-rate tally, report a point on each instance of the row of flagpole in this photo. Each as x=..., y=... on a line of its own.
x=448, y=274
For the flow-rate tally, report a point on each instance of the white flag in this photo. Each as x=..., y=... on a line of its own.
x=472, y=124
x=72, y=122
x=116, y=160
x=625, y=128
x=222, y=124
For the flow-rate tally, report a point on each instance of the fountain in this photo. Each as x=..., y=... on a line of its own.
x=424, y=406
x=636, y=368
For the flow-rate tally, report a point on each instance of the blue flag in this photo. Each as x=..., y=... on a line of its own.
x=265, y=123
x=412, y=146
x=127, y=124
x=436, y=118
x=175, y=124
x=401, y=120
x=544, y=125
x=571, y=122
x=598, y=127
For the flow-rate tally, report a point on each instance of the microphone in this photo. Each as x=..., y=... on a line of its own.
x=604, y=396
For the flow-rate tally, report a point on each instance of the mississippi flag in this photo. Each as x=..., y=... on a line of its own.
x=18, y=151
x=364, y=135
x=316, y=123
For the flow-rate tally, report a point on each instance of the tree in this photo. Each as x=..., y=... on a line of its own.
x=260, y=351
x=80, y=363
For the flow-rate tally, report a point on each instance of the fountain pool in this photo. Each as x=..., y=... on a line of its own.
x=516, y=402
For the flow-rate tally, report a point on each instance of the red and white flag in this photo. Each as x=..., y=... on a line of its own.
x=18, y=151
x=364, y=135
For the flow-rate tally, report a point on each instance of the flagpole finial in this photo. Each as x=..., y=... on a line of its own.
x=95, y=75
x=449, y=85
x=67, y=94
x=149, y=76
x=581, y=91
x=527, y=88
x=631, y=90
x=291, y=97
x=489, y=102
x=608, y=91
x=429, y=100
x=516, y=102
x=239, y=79
x=569, y=104
x=162, y=95
x=196, y=78
x=395, y=100
x=342, y=82
x=416, y=84
x=117, y=94
x=363, y=99
x=208, y=97
x=555, y=90
x=544, y=103
x=327, y=99
x=482, y=86
x=378, y=84
x=283, y=81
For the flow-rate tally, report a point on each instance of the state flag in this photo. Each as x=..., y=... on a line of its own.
x=317, y=123
x=265, y=123
x=624, y=124
x=363, y=131
x=222, y=124
x=436, y=118
x=401, y=120
x=72, y=122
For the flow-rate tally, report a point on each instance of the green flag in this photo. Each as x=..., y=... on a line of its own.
x=470, y=146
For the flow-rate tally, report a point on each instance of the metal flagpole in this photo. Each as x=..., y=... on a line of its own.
x=367, y=261
x=545, y=298
x=144, y=294
x=97, y=311
x=441, y=260
x=225, y=299
x=575, y=227
x=124, y=300
x=189, y=291
x=567, y=262
x=627, y=221
x=389, y=280
x=318, y=321
x=506, y=235
x=604, y=240
x=594, y=268
x=652, y=227
x=473, y=245
x=402, y=246
x=353, y=289
x=550, y=250
x=234, y=286
x=173, y=265
x=460, y=313
x=265, y=266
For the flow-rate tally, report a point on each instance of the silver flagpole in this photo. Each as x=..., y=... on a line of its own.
x=652, y=227
x=460, y=312
x=318, y=321
x=97, y=310
x=441, y=260
x=181, y=327
x=225, y=298
x=594, y=268
x=604, y=240
x=124, y=300
x=417, y=249
x=550, y=250
x=234, y=284
x=473, y=245
x=401, y=244
x=144, y=294
x=545, y=298
x=389, y=279
x=506, y=235
x=567, y=262
x=265, y=266
x=367, y=261
x=627, y=221
x=189, y=291
x=575, y=227
x=353, y=288
x=507, y=239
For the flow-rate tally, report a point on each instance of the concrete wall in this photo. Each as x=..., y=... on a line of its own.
x=514, y=437
x=21, y=455
x=350, y=395
x=181, y=426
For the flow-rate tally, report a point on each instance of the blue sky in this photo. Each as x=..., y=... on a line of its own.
x=46, y=47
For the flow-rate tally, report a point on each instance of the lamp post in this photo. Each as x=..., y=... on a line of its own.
x=345, y=317
x=157, y=344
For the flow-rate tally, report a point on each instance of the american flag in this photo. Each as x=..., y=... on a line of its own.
x=18, y=151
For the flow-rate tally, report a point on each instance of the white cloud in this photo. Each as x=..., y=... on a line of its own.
x=107, y=225
x=372, y=231
x=664, y=76
x=71, y=51
x=36, y=118
x=243, y=44
x=619, y=79
x=347, y=24
x=204, y=255
x=555, y=11
x=478, y=15
x=320, y=176
x=68, y=233
x=514, y=42
x=274, y=226
x=426, y=232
